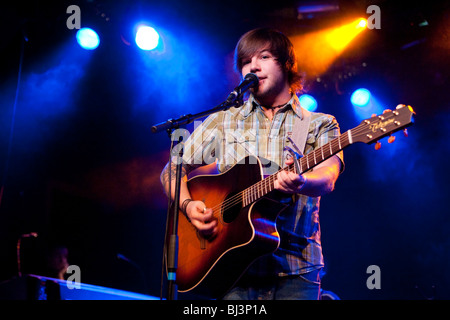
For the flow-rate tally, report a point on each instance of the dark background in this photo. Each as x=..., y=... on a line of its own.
x=81, y=167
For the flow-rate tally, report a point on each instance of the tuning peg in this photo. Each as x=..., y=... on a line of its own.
x=403, y=106
x=405, y=132
x=378, y=145
x=391, y=139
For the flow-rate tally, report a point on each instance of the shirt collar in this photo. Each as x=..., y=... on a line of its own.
x=251, y=104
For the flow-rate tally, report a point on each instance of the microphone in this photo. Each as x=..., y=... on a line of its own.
x=250, y=80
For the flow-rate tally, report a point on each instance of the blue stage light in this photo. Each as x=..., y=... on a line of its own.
x=360, y=97
x=147, y=38
x=88, y=39
x=365, y=104
x=308, y=102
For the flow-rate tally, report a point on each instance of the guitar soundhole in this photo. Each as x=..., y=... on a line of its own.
x=231, y=208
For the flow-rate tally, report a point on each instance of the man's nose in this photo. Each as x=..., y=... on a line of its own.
x=254, y=66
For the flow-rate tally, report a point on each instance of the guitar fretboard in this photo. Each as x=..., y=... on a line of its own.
x=309, y=161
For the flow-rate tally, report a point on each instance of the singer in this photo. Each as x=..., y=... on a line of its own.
x=262, y=127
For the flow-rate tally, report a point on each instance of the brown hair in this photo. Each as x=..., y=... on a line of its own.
x=278, y=44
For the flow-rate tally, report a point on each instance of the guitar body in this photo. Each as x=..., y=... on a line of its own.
x=210, y=266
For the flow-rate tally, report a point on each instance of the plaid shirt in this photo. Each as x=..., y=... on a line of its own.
x=228, y=136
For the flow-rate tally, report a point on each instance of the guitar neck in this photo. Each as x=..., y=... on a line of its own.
x=319, y=155
x=309, y=161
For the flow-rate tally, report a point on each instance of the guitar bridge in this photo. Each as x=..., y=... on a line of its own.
x=202, y=241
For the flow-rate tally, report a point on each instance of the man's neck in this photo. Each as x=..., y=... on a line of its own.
x=270, y=107
x=277, y=101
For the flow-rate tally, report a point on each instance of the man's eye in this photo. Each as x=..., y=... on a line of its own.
x=245, y=62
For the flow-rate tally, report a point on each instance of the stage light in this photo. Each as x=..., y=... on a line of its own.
x=316, y=51
x=362, y=23
x=88, y=39
x=147, y=38
x=308, y=102
x=340, y=37
x=360, y=97
x=365, y=104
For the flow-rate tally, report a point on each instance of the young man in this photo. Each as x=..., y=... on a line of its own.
x=261, y=127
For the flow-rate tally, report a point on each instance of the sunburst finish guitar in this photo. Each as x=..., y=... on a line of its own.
x=247, y=206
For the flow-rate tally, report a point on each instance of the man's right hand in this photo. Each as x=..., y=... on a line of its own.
x=202, y=218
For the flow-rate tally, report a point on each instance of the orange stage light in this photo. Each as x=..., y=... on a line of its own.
x=316, y=51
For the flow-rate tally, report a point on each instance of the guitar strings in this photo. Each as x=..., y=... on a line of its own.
x=261, y=186
x=238, y=197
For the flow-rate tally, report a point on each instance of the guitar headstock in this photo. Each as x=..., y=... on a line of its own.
x=377, y=127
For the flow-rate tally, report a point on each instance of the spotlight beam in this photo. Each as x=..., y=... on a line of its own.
x=316, y=51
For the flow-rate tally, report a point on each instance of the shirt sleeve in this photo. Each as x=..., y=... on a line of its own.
x=325, y=128
x=198, y=148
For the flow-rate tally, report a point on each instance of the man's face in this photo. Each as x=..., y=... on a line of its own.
x=272, y=79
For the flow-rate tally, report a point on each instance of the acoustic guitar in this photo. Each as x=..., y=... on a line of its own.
x=246, y=206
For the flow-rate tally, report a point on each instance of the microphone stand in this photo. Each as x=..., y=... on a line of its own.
x=170, y=125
